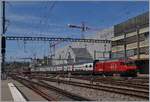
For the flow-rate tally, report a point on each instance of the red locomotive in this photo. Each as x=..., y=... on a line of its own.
x=123, y=67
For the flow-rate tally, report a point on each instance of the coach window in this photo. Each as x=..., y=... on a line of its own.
x=90, y=66
x=86, y=66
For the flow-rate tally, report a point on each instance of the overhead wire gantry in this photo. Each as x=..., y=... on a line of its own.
x=56, y=39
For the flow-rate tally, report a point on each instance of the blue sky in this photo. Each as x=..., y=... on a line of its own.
x=51, y=19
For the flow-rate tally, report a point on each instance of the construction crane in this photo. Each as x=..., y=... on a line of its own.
x=82, y=27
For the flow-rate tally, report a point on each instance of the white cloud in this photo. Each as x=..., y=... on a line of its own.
x=33, y=21
x=23, y=18
x=20, y=31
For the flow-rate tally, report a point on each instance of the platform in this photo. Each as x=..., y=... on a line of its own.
x=7, y=95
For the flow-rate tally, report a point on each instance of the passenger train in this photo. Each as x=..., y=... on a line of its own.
x=107, y=67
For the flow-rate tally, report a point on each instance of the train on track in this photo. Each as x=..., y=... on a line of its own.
x=107, y=67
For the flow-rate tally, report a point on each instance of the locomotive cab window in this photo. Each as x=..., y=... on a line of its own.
x=130, y=63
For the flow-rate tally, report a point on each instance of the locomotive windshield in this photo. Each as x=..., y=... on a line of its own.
x=131, y=63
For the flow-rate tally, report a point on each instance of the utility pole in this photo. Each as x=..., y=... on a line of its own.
x=138, y=43
x=125, y=46
x=104, y=48
x=51, y=50
x=94, y=54
x=83, y=29
x=3, y=40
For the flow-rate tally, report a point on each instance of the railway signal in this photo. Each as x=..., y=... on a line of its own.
x=3, y=45
x=3, y=42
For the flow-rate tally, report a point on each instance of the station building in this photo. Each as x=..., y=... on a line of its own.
x=80, y=52
x=131, y=39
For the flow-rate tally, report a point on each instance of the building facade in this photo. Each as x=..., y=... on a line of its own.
x=131, y=40
x=85, y=52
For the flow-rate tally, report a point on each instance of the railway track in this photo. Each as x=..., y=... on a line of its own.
x=35, y=88
x=40, y=85
x=118, y=82
x=125, y=91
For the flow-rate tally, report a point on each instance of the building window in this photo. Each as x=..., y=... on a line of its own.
x=146, y=35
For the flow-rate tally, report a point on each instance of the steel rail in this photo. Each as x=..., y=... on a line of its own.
x=126, y=84
x=50, y=87
x=35, y=89
x=117, y=82
x=125, y=91
x=71, y=95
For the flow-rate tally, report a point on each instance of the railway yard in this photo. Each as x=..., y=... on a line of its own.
x=81, y=88
x=74, y=51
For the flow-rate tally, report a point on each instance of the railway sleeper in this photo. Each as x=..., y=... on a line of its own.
x=50, y=87
x=136, y=93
